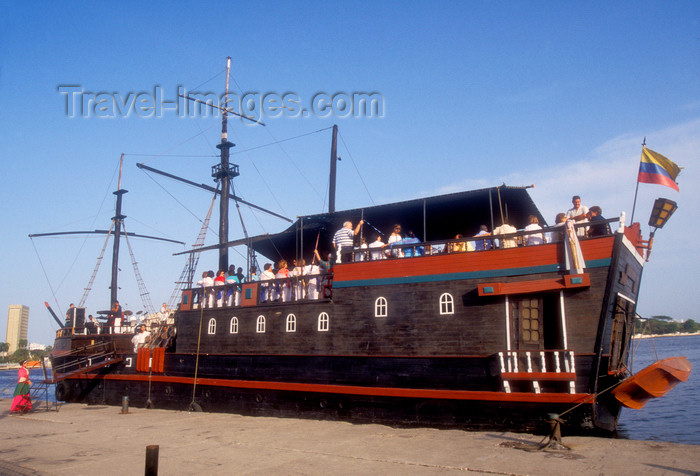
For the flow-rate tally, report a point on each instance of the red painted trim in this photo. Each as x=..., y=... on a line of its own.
x=254, y=295
x=546, y=376
x=522, y=257
x=535, y=285
x=158, y=364
x=186, y=300
x=357, y=390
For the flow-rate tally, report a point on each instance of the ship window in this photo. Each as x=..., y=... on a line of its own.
x=527, y=318
x=323, y=322
x=447, y=304
x=212, y=326
x=260, y=328
x=291, y=323
x=233, y=329
x=380, y=307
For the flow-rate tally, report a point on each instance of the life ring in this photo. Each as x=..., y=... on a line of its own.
x=62, y=391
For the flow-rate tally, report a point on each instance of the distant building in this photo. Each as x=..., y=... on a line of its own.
x=17, y=322
x=35, y=346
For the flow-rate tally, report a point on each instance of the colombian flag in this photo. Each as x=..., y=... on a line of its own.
x=655, y=168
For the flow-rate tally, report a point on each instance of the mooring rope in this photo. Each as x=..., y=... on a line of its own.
x=199, y=340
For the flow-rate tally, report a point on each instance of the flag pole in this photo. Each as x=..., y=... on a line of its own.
x=634, y=205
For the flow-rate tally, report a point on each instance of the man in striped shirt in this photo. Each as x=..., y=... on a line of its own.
x=343, y=241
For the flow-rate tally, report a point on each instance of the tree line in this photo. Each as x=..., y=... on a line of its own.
x=22, y=353
x=664, y=325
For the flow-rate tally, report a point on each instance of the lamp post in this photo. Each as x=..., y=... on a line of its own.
x=662, y=211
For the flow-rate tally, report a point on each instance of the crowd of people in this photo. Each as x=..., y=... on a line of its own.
x=503, y=236
x=292, y=280
x=289, y=281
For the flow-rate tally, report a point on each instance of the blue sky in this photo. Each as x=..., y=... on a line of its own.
x=555, y=94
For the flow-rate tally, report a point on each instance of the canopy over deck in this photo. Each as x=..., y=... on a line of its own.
x=432, y=218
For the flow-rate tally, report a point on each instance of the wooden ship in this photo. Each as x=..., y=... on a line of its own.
x=452, y=332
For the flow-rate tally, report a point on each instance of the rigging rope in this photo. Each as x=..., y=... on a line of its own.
x=143, y=292
x=357, y=169
x=186, y=277
x=88, y=288
x=53, y=293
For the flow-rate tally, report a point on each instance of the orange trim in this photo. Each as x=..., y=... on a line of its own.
x=186, y=300
x=142, y=359
x=475, y=261
x=546, y=376
x=358, y=390
x=252, y=289
x=158, y=362
x=535, y=285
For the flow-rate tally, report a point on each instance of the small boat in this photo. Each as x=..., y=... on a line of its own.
x=653, y=381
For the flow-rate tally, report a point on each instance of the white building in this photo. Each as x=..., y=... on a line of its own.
x=17, y=322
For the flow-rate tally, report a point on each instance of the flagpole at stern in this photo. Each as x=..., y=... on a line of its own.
x=634, y=205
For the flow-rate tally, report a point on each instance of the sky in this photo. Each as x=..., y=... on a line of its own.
x=471, y=95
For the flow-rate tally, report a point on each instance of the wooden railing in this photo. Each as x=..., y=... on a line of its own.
x=537, y=366
x=311, y=287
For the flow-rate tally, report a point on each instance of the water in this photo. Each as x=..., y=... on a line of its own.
x=8, y=381
x=674, y=418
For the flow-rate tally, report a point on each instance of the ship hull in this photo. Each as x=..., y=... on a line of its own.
x=497, y=339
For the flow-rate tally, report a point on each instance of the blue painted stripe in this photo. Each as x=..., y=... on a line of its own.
x=649, y=168
x=491, y=273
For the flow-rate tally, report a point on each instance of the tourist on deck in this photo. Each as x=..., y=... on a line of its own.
x=311, y=272
x=326, y=268
x=254, y=274
x=207, y=281
x=241, y=276
x=599, y=227
x=535, y=238
x=296, y=275
x=506, y=229
x=22, y=402
x=458, y=247
x=266, y=289
x=285, y=288
x=343, y=241
x=91, y=325
x=69, y=315
x=482, y=245
x=114, y=318
x=359, y=254
x=394, y=239
x=559, y=222
x=377, y=243
x=412, y=251
x=220, y=280
x=579, y=214
x=232, y=293
x=141, y=338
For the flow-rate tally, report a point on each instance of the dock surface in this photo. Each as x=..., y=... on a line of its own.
x=88, y=440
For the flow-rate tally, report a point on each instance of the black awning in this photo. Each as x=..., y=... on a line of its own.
x=432, y=218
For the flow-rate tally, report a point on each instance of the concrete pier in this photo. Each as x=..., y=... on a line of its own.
x=90, y=440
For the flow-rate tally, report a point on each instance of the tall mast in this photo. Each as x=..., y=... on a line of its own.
x=334, y=159
x=224, y=172
x=118, y=221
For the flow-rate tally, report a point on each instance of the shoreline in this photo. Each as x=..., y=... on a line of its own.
x=650, y=336
x=207, y=443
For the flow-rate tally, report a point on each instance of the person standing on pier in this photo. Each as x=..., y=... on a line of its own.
x=22, y=403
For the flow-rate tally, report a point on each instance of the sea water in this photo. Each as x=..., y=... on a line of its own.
x=8, y=382
x=674, y=418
